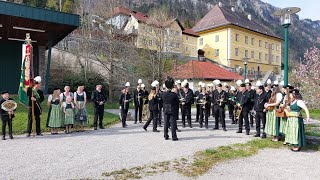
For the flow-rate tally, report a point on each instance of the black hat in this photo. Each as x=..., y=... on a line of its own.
x=4, y=92
x=275, y=85
x=261, y=87
x=220, y=85
x=153, y=88
x=294, y=91
x=249, y=83
x=288, y=86
x=266, y=85
x=243, y=85
x=56, y=88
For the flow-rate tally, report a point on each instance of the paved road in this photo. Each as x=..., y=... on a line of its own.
x=88, y=154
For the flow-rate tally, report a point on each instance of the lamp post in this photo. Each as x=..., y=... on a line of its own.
x=245, y=67
x=285, y=15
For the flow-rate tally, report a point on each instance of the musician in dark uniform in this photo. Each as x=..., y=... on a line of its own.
x=138, y=103
x=210, y=93
x=231, y=104
x=98, y=98
x=124, y=102
x=36, y=96
x=180, y=92
x=252, y=94
x=204, y=101
x=156, y=84
x=6, y=116
x=242, y=100
x=267, y=89
x=187, y=96
x=145, y=94
x=196, y=94
x=154, y=110
x=170, y=108
x=219, y=101
x=259, y=100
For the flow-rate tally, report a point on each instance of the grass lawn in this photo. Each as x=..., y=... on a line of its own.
x=315, y=114
x=21, y=117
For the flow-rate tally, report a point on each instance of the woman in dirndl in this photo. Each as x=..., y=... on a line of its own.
x=63, y=97
x=55, y=113
x=272, y=122
x=295, y=127
x=80, y=100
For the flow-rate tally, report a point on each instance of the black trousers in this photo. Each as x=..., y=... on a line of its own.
x=251, y=117
x=186, y=111
x=260, y=116
x=170, y=121
x=213, y=110
x=5, y=121
x=160, y=116
x=198, y=111
x=37, y=119
x=154, y=118
x=138, y=108
x=204, y=115
x=219, y=114
x=124, y=113
x=231, y=112
x=98, y=114
x=244, y=115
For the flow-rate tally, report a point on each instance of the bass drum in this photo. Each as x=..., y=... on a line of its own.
x=145, y=112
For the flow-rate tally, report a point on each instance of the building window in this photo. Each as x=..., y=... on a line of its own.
x=260, y=56
x=260, y=43
x=237, y=37
x=187, y=38
x=252, y=70
x=236, y=51
x=208, y=53
x=177, y=33
x=267, y=45
x=246, y=53
x=201, y=41
x=171, y=32
x=186, y=48
x=278, y=47
x=178, y=45
x=150, y=29
x=246, y=40
x=252, y=54
x=252, y=41
x=267, y=57
x=272, y=46
x=216, y=52
x=277, y=58
x=217, y=38
x=272, y=58
x=150, y=42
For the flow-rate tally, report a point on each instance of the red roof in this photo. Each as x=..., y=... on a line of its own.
x=190, y=32
x=121, y=10
x=195, y=69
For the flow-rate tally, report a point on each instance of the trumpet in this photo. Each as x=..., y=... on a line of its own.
x=238, y=112
x=220, y=101
x=203, y=102
x=253, y=113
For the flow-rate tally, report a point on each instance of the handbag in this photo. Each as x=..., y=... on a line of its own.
x=80, y=116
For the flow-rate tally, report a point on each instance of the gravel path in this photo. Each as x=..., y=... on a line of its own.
x=88, y=154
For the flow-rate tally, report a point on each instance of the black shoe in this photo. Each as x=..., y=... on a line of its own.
x=200, y=125
x=175, y=139
x=124, y=126
x=3, y=138
x=39, y=134
x=145, y=128
x=155, y=130
x=101, y=127
x=239, y=131
x=10, y=136
x=159, y=125
x=167, y=138
x=28, y=135
x=178, y=130
x=140, y=121
x=247, y=132
x=207, y=127
x=183, y=125
x=256, y=135
x=197, y=121
x=264, y=136
x=215, y=128
x=251, y=125
x=135, y=122
x=190, y=126
x=95, y=128
x=233, y=122
x=224, y=129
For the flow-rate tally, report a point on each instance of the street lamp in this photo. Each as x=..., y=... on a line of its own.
x=245, y=67
x=285, y=15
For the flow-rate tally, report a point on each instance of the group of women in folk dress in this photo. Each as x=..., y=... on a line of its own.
x=290, y=129
x=67, y=110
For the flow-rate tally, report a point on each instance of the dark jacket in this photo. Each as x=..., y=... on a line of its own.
x=172, y=99
x=217, y=96
x=196, y=96
x=188, y=97
x=40, y=99
x=124, y=97
x=243, y=99
x=97, y=97
x=205, y=97
x=138, y=101
x=259, y=101
x=154, y=104
x=3, y=113
x=252, y=94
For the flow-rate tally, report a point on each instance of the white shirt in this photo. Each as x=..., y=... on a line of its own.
x=279, y=97
x=83, y=93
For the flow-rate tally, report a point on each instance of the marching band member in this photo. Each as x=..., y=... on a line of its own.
x=272, y=122
x=196, y=94
x=252, y=93
x=210, y=93
x=180, y=91
x=219, y=99
x=98, y=98
x=267, y=88
x=204, y=102
x=124, y=102
x=170, y=108
x=242, y=100
x=187, y=100
x=154, y=101
x=156, y=84
x=259, y=100
x=6, y=116
x=36, y=96
x=231, y=104
x=295, y=132
x=138, y=103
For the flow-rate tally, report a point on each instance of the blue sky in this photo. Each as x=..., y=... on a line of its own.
x=309, y=8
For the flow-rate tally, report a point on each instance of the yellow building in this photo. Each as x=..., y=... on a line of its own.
x=189, y=43
x=230, y=38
